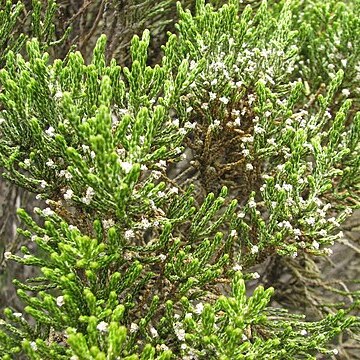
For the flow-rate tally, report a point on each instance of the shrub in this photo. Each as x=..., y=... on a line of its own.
x=165, y=185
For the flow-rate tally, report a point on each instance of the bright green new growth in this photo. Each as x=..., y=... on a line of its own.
x=137, y=265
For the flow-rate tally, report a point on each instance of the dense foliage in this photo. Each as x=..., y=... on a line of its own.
x=166, y=184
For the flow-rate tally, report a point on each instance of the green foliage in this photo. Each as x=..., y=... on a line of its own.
x=135, y=264
x=9, y=15
x=15, y=28
x=331, y=42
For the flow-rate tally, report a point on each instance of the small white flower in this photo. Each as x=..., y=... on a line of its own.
x=188, y=316
x=216, y=123
x=92, y=154
x=60, y=301
x=237, y=121
x=258, y=129
x=173, y=190
x=310, y=220
x=18, y=314
x=249, y=167
x=180, y=333
x=302, y=244
x=129, y=234
x=233, y=233
x=189, y=125
x=214, y=82
x=90, y=192
x=66, y=174
x=241, y=215
x=161, y=194
x=134, y=327
x=199, y=308
x=50, y=131
x=163, y=347
x=176, y=122
x=254, y=249
x=328, y=115
x=237, y=267
x=192, y=64
x=189, y=109
x=33, y=345
x=287, y=187
x=102, y=326
x=43, y=184
x=156, y=174
x=287, y=225
x=333, y=221
x=161, y=164
x=224, y=100
x=153, y=332
x=328, y=251
x=267, y=113
x=59, y=94
x=345, y=92
x=108, y=223
x=315, y=245
x=247, y=139
x=252, y=204
x=145, y=223
x=335, y=351
x=212, y=96
x=323, y=232
x=162, y=257
x=27, y=162
x=7, y=255
x=126, y=166
x=48, y=212
x=69, y=194
x=297, y=232
x=256, y=275
x=251, y=98
x=246, y=152
x=303, y=332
